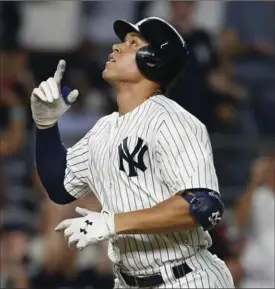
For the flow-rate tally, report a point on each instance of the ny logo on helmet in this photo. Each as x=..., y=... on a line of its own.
x=215, y=218
x=134, y=159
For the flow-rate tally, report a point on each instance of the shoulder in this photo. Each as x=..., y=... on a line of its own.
x=102, y=122
x=106, y=119
x=176, y=116
x=96, y=128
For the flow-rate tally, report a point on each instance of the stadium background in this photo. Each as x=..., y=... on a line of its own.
x=229, y=85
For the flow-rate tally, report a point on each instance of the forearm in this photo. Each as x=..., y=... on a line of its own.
x=168, y=216
x=51, y=164
x=243, y=209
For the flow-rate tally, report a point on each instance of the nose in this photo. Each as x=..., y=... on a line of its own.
x=117, y=48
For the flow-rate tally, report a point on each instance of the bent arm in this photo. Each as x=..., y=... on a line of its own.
x=183, y=211
x=51, y=164
x=186, y=167
x=243, y=209
x=170, y=215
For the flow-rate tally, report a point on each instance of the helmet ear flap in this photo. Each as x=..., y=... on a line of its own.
x=148, y=62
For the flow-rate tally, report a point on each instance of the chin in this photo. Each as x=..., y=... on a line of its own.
x=109, y=75
x=106, y=75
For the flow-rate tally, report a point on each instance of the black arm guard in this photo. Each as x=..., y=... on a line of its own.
x=206, y=206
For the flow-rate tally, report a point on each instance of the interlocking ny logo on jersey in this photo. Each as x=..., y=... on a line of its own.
x=134, y=159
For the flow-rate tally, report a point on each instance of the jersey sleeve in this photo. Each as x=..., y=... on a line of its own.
x=76, y=175
x=184, y=156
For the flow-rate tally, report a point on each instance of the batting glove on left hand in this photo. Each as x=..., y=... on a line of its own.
x=48, y=101
x=89, y=229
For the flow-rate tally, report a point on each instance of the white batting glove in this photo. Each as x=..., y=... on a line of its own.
x=48, y=103
x=90, y=229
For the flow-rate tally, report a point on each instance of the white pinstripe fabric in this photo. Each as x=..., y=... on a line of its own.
x=208, y=272
x=179, y=157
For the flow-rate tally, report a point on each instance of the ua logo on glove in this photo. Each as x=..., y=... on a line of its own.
x=88, y=223
x=215, y=218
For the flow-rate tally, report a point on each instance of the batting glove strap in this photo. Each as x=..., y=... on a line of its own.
x=109, y=219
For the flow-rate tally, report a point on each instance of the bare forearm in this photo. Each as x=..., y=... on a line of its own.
x=243, y=209
x=169, y=216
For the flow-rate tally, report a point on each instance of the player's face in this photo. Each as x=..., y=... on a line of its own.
x=121, y=65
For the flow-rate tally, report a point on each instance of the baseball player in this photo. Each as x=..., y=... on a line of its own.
x=150, y=165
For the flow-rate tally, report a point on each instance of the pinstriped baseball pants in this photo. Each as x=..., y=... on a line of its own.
x=208, y=271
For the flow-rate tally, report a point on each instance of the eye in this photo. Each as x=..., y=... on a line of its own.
x=133, y=42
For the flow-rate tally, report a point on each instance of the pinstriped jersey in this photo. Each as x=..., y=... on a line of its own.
x=137, y=160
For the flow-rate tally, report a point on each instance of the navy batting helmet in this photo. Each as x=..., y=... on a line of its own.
x=164, y=59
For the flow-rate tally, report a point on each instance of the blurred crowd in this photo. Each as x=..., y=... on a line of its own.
x=229, y=85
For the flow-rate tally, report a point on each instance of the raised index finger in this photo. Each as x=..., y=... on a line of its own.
x=59, y=71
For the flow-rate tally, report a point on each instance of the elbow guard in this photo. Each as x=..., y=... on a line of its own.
x=206, y=207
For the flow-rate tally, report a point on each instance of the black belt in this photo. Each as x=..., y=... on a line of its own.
x=155, y=280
